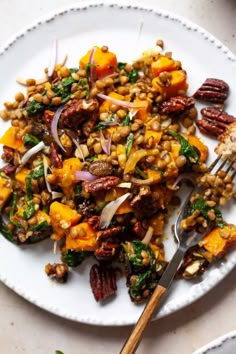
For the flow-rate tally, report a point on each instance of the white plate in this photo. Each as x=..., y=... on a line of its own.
x=78, y=28
x=225, y=344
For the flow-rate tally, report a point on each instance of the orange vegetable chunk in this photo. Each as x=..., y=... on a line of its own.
x=85, y=239
x=62, y=218
x=11, y=140
x=106, y=62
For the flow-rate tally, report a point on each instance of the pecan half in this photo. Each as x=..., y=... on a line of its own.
x=177, y=104
x=105, y=234
x=144, y=203
x=8, y=154
x=76, y=112
x=94, y=221
x=212, y=90
x=107, y=251
x=7, y=169
x=139, y=229
x=214, y=121
x=99, y=184
x=102, y=282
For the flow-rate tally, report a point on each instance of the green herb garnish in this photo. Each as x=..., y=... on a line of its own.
x=34, y=174
x=129, y=144
x=91, y=159
x=74, y=258
x=39, y=227
x=6, y=232
x=34, y=107
x=201, y=205
x=133, y=76
x=140, y=172
x=30, y=140
x=191, y=153
x=126, y=121
x=63, y=89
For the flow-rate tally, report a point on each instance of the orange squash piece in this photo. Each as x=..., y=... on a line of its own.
x=66, y=175
x=5, y=188
x=177, y=83
x=106, y=62
x=203, y=149
x=152, y=137
x=86, y=239
x=162, y=64
x=10, y=139
x=21, y=177
x=62, y=218
x=219, y=240
x=104, y=107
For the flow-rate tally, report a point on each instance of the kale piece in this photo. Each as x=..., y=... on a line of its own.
x=191, y=153
x=74, y=258
x=201, y=205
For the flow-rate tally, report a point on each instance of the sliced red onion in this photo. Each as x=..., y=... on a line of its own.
x=53, y=59
x=124, y=185
x=56, y=195
x=34, y=150
x=122, y=103
x=142, y=182
x=45, y=169
x=79, y=148
x=64, y=60
x=106, y=143
x=92, y=70
x=109, y=211
x=23, y=82
x=148, y=236
x=84, y=176
x=54, y=124
x=184, y=176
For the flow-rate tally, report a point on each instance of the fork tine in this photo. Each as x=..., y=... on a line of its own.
x=214, y=163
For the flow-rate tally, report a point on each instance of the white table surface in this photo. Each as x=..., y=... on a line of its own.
x=24, y=328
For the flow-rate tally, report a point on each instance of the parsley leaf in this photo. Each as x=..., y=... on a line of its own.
x=34, y=107
x=30, y=140
x=126, y=121
x=201, y=205
x=129, y=144
x=191, y=153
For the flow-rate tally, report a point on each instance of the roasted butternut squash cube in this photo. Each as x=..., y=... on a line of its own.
x=62, y=218
x=105, y=62
x=66, y=175
x=81, y=237
x=219, y=240
x=5, y=188
x=11, y=140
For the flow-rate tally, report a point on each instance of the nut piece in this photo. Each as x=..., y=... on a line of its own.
x=57, y=271
x=102, y=282
x=212, y=90
x=177, y=104
x=99, y=184
x=105, y=234
x=214, y=121
x=100, y=168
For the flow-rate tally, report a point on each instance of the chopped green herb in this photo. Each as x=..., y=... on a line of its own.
x=63, y=89
x=140, y=172
x=191, y=153
x=103, y=125
x=142, y=280
x=201, y=205
x=39, y=227
x=92, y=158
x=34, y=174
x=73, y=70
x=101, y=206
x=59, y=352
x=126, y=121
x=74, y=258
x=87, y=68
x=154, y=168
x=129, y=144
x=27, y=207
x=133, y=76
x=78, y=189
x=121, y=66
x=30, y=139
x=34, y=107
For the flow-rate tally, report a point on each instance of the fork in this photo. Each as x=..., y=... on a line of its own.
x=185, y=240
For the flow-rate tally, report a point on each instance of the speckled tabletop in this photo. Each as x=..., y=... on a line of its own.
x=24, y=328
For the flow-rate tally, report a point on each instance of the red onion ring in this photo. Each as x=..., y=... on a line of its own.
x=54, y=124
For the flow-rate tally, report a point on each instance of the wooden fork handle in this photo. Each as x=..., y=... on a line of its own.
x=135, y=337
